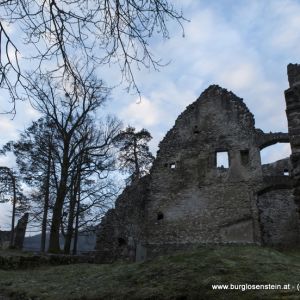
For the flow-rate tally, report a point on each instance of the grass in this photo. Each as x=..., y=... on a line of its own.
x=187, y=275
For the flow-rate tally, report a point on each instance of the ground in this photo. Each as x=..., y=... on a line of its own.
x=186, y=275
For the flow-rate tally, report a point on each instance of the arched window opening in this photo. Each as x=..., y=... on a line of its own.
x=275, y=152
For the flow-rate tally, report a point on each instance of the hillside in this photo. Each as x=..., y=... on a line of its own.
x=188, y=275
x=86, y=242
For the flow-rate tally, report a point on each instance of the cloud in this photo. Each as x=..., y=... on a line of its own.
x=7, y=128
x=243, y=46
x=142, y=113
x=286, y=34
x=230, y=45
x=10, y=125
x=239, y=76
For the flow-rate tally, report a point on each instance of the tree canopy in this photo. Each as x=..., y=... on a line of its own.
x=134, y=154
x=57, y=35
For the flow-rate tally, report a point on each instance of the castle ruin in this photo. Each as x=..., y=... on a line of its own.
x=19, y=235
x=189, y=198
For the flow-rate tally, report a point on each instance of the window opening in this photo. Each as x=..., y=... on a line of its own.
x=286, y=172
x=196, y=129
x=121, y=242
x=222, y=160
x=160, y=216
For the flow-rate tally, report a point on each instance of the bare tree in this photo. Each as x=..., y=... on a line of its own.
x=90, y=185
x=58, y=32
x=69, y=106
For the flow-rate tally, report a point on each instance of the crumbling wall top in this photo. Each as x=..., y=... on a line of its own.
x=214, y=106
x=293, y=71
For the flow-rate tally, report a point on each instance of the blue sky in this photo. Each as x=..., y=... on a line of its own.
x=243, y=46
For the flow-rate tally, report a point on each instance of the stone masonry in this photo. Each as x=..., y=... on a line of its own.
x=191, y=198
x=292, y=97
x=19, y=234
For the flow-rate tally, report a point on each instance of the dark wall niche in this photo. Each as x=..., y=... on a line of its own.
x=121, y=242
x=196, y=130
x=160, y=216
x=244, y=157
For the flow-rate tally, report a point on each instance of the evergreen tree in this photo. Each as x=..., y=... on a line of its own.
x=134, y=156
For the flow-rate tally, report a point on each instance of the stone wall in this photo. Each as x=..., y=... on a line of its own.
x=19, y=234
x=121, y=232
x=190, y=198
x=200, y=202
x=281, y=167
x=292, y=97
x=4, y=239
x=278, y=218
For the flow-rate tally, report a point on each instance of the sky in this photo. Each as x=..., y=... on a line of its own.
x=243, y=46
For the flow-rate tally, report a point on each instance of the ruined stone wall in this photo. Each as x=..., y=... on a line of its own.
x=19, y=234
x=292, y=97
x=279, y=222
x=4, y=239
x=121, y=232
x=281, y=167
x=201, y=203
x=20, y=231
x=188, y=199
x=278, y=218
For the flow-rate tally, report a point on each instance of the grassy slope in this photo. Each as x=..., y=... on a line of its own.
x=182, y=276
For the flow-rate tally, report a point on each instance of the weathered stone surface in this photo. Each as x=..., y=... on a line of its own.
x=281, y=167
x=292, y=97
x=121, y=232
x=264, y=140
x=293, y=74
x=276, y=176
x=20, y=231
x=4, y=239
x=278, y=218
x=202, y=203
x=189, y=198
x=19, y=235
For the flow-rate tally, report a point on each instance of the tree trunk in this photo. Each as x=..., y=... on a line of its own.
x=12, y=233
x=46, y=203
x=136, y=161
x=77, y=218
x=69, y=235
x=54, y=246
